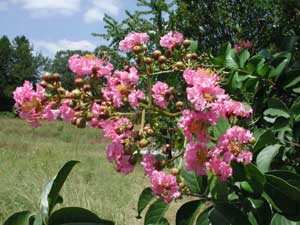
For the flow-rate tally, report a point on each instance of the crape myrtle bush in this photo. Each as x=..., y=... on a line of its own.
x=221, y=130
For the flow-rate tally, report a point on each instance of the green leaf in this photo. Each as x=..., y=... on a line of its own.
x=266, y=156
x=281, y=220
x=227, y=214
x=276, y=113
x=193, y=46
x=187, y=213
x=261, y=210
x=50, y=195
x=221, y=127
x=20, y=218
x=192, y=181
x=264, y=139
x=285, y=196
x=145, y=198
x=156, y=212
x=275, y=72
x=296, y=110
x=230, y=60
x=203, y=217
x=219, y=189
x=288, y=176
x=75, y=215
x=243, y=57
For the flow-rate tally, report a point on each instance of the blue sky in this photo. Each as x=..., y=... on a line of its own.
x=53, y=25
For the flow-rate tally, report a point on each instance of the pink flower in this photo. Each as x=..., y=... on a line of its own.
x=171, y=39
x=197, y=123
x=148, y=163
x=164, y=186
x=49, y=113
x=241, y=45
x=200, y=76
x=234, y=145
x=234, y=108
x=220, y=168
x=132, y=40
x=115, y=153
x=89, y=64
x=127, y=78
x=134, y=96
x=196, y=158
x=117, y=130
x=66, y=112
x=28, y=103
x=159, y=94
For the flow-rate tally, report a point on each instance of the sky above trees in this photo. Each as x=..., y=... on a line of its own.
x=53, y=25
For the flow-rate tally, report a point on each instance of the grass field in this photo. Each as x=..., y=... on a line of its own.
x=30, y=157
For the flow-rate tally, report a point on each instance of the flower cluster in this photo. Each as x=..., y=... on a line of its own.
x=241, y=45
x=147, y=118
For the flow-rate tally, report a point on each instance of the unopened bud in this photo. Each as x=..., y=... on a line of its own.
x=156, y=54
x=162, y=59
x=137, y=49
x=78, y=82
x=179, y=105
x=186, y=43
x=174, y=171
x=150, y=132
x=194, y=56
x=252, y=141
x=182, y=185
x=43, y=83
x=86, y=87
x=56, y=77
x=76, y=93
x=179, y=65
x=47, y=77
x=81, y=123
x=143, y=143
x=148, y=60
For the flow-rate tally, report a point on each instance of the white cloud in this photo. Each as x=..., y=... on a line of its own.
x=44, y=7
x=3, y=6
x=99, y=8
x=50, y=48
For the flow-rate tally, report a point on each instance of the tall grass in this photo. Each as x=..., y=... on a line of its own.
x=30, y=157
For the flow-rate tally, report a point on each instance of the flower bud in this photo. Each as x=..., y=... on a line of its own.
x=174, y=171
x=148, y=60
x=150, y=132
x=86, y=87
x=43, y=83
x=166, y=149
x=78, y=82
x=73, y=120
x=47, y=77
x=179, y=65
x=89, y=116
x=252, y=141
x=126, y=68
x=61, y=90
x=137, y=49
x=194, y=56
x=76, y=93
x=143, y=143
x=179, y=105
x=156, y=54
x=182, y=185
x=80, y=122
x=186, y=43
x=162, y=59
x=56, y=77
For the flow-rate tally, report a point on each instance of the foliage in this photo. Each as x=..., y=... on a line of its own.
x=49, y=199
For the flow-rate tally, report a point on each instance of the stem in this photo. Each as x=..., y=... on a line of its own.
x=142, y=120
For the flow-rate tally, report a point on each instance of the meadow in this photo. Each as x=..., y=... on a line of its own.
x=30, y=157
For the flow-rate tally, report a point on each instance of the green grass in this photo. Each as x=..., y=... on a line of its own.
x=30, y=157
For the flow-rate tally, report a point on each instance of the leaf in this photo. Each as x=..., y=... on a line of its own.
x=285, y=196
x=192, y=181
x=296, y=110
x=227, y=214
x=275, y=72
x=156, y=212
x=20, y=218
x=261, y=210
x=288, y=176
x=266, y=156
x=50, y=194
x=244, y=56
x=276, y=113
x=187, y=213
x=230, y=60
x=193, y=46
x=203, y=217
x=145, y=198
x=263, y=140
x=221, y=127
x=281, y=220
x=75, y=215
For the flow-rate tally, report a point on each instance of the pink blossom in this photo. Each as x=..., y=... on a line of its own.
x=49, y=113
x=196, y=157
x=220, y=168
x=199, y=77
x=234, y=144
x=66, y=112
x=86, y=65
x=234, y=108
x=197, y=123
x=117, y=130
x=241, y=45
x=171, y=39
x=113, y=94
x=115, y=153
x=148, y=164
x=134, y=96
x=132, y=40
x=28, y=102
x=159, y=94
x=127, y=78
x=164, y=186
